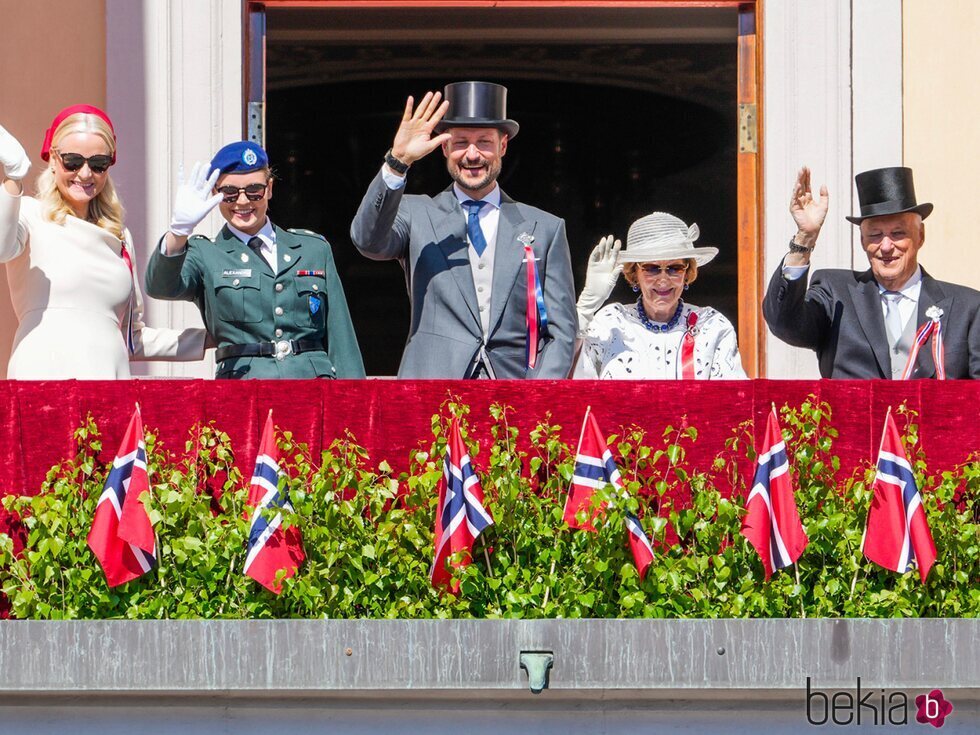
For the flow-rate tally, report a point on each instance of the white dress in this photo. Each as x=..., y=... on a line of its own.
x=78, y=305
x=617, y=345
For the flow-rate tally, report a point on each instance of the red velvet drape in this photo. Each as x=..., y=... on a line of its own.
x=389, y=417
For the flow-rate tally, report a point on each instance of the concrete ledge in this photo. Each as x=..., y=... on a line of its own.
x=722, y=659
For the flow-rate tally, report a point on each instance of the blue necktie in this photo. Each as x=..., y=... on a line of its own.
x=473, y=229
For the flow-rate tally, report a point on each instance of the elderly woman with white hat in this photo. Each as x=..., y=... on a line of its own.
x=660, y=337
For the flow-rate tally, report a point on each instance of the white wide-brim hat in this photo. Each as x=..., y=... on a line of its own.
x=662, y=236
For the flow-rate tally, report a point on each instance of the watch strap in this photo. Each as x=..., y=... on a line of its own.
x=795, y=247
x=399, y=167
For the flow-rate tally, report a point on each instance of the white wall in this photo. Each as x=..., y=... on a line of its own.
x=174, y=90
x=836, y=118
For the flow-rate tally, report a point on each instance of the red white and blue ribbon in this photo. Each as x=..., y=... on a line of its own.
x=537, y=314
x=932, y=328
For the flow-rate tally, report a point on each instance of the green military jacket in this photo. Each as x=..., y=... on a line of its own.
x=242, y=301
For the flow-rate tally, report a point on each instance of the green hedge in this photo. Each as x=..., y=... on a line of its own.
x=368, y=534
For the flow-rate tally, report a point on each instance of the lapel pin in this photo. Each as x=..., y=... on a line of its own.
x=934, y=313
x=525, y=238
x=244, y=258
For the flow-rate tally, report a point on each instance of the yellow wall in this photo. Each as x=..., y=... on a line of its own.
x=52, y=56
x=942, y=130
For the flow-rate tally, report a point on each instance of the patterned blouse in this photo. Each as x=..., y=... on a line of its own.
x=617, y=345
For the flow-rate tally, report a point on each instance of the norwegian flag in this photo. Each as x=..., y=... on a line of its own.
x=460, y=515
x=897, y=535
x=639, y=545
x=595, y=468
x=772, y=522
x=270, y=548
x=121, y=536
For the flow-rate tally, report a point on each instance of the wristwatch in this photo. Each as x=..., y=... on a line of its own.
x=795, y=247
x=399, y=167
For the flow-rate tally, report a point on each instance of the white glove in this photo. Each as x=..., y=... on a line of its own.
x=13, y=158
x=600, y=280
x=193, y=200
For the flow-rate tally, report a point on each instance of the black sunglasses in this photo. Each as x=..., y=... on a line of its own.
x=673, y=270
x=253, y=192
x=74, y=161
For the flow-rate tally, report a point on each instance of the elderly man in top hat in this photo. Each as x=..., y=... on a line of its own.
x=892, y=321
x=489, y=279
x=270, y=298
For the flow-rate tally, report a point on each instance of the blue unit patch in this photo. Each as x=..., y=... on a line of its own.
x=314, y=304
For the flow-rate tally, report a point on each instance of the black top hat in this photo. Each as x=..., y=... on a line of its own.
x=883, y=191
x=477, y=105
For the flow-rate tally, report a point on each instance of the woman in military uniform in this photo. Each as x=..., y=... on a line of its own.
x=270, y=298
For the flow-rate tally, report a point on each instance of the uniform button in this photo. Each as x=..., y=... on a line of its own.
x=278, y=311
x=480, y=289
x=482, y=266
x=316, y=287
x=279, y=333
x=483, y=307
x=235, y=282
x=287, y=257
x=278, y=287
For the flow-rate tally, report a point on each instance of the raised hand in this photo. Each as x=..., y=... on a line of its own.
x=194, y=199
x=414, y=137
x=600, y=279
x=808, y=213
x=13, y=158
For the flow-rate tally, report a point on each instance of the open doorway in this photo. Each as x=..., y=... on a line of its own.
x=622, y=111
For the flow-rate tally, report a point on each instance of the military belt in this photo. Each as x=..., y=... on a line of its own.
x=279, y=349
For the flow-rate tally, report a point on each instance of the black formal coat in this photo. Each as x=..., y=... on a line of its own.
x=839, y=316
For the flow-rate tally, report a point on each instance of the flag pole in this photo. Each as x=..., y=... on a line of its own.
x=796, y=571
x=581, y=435
x=864, y=534
x=796, y=564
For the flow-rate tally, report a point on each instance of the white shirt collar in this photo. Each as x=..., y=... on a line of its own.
x=267, y=234
x=493, y=198
x=911, y=288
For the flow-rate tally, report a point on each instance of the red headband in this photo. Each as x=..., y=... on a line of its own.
x=64, y=115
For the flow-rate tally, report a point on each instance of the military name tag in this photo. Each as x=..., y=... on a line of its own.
x=239, y=273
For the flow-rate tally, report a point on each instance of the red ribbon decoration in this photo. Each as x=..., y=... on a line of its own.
x=687, y=348
x=532, y=309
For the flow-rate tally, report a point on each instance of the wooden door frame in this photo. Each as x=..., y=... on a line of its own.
x=751, y=250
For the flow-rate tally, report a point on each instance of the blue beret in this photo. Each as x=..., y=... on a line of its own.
x=240, y=157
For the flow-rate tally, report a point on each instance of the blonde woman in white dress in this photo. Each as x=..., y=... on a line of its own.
x=660, y=336
x=70, y=260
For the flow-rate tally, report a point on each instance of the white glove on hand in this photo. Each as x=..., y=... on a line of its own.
x=600, y=280
x=193, y=200
x=13, y=158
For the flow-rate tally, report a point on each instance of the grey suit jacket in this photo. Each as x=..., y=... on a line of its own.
x=427, y=235
x=839, y=316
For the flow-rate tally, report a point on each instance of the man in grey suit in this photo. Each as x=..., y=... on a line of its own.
x=872, y=324
x=489, y=279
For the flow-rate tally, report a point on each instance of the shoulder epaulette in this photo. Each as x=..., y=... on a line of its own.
x=307, y=232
